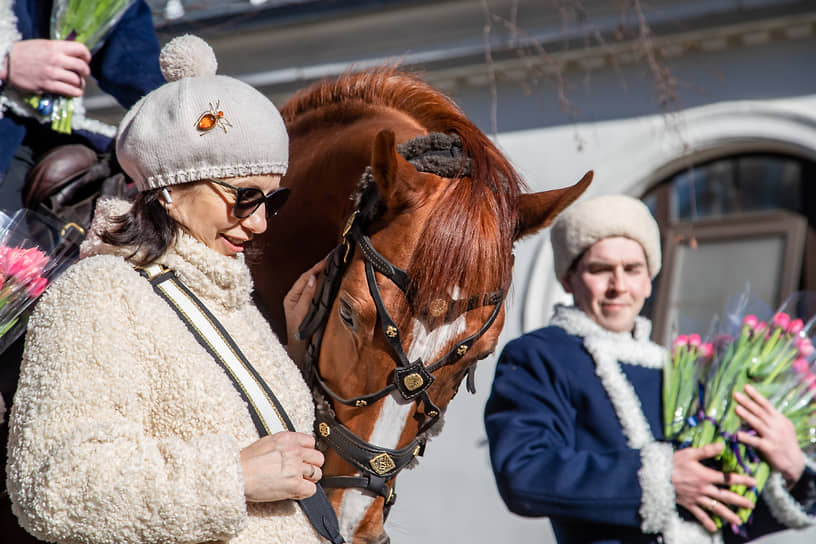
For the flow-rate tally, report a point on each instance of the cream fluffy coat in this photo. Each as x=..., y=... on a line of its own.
x=124, y=429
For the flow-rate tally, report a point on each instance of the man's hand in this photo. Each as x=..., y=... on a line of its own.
x=775, y=436
x=49, y=66
x=698, y=488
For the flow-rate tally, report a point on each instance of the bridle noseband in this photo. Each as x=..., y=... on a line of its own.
x=410, y=378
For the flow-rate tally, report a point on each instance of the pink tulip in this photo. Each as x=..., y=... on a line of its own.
x=36, y=287
x=680, y=341
x=805, y=347
x=750, y=320
x=781, y=320
x=801, y=365
x=796, y=326
x=694, y=340
x=707, y=349
x=761, y=326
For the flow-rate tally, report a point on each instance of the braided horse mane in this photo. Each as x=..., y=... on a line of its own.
x=467, y=242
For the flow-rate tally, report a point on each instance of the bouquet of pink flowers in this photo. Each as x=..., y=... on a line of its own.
x=774, y=356
x=30, y=258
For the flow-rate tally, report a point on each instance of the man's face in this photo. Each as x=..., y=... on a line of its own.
x=610, y=282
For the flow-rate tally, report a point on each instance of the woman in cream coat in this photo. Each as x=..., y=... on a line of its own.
x=124, y=429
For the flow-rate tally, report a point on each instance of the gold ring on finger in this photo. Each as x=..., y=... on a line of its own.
x=713, y=504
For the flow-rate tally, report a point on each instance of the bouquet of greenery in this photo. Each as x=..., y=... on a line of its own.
x=775, y=356
x=84, y=21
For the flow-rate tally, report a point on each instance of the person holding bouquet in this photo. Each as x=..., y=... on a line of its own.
x=125, y=66
x=128, y=426
x=574, y=419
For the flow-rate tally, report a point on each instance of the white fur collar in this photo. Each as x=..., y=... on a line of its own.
x=211, y=276
x=634, y=349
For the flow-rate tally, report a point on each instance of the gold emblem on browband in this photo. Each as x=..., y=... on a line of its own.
x=324, y=430
x=391, y=331
x=382, y=464
x=413, y=381
x=437, y=307
x=461, y=350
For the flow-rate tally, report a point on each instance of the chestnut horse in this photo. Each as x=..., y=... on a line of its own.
x=422, y=211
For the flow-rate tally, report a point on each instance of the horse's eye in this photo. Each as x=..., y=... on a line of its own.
x=346, y=315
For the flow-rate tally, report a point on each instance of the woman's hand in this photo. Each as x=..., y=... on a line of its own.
x=49, y=66
x=698, y=488
x=775, y=436
x=281, y=466
x=296, y=304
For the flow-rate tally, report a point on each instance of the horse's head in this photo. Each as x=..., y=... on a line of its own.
x=413, y=294
x=416, y=289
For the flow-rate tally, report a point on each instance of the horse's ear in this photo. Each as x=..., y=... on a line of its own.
x=384, y=162
x=537, y=210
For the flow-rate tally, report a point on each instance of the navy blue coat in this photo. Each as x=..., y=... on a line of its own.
x=558, y=448
x=126, y=66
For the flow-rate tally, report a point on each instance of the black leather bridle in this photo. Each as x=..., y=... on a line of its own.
x=411, y=379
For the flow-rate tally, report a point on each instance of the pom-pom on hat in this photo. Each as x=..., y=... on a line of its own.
x=199, y=124
x=590, y=221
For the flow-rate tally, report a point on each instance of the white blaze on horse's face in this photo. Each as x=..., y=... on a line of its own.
x=425, y=345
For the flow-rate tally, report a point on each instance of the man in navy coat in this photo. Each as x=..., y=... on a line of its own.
x=574, y=416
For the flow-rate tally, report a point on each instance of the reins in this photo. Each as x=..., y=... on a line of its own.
x=410, y=378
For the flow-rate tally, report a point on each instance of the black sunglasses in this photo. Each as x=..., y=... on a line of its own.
x=249, y=199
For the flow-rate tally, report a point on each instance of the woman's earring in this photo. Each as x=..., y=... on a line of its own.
x=166, y=195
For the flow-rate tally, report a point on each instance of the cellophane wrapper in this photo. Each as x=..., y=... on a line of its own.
x=32, y=255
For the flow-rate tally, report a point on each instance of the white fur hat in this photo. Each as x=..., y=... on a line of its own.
x=588, y=221
x=199, y=125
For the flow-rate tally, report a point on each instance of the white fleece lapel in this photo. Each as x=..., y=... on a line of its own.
x=607, y=349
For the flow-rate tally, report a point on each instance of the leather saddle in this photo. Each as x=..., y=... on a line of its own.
x=68, y=181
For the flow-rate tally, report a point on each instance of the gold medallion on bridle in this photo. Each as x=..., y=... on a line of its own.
x=324, y=430
x=437, y=307
x=382, y=464
x=391, y=331
x=413, y=381
x=461, y=350
x=360, y=403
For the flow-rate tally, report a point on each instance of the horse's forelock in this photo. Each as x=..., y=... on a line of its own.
x=466, y=244
x=467, y=241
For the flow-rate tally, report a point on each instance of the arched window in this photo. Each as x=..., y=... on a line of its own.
x=733, y=221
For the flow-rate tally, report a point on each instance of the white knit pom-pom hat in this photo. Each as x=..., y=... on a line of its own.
x=589, y=221
x=199, y=125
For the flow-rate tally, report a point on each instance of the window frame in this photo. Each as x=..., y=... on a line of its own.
x=792, y=227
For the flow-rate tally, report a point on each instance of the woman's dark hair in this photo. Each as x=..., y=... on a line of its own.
x=146, y=226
